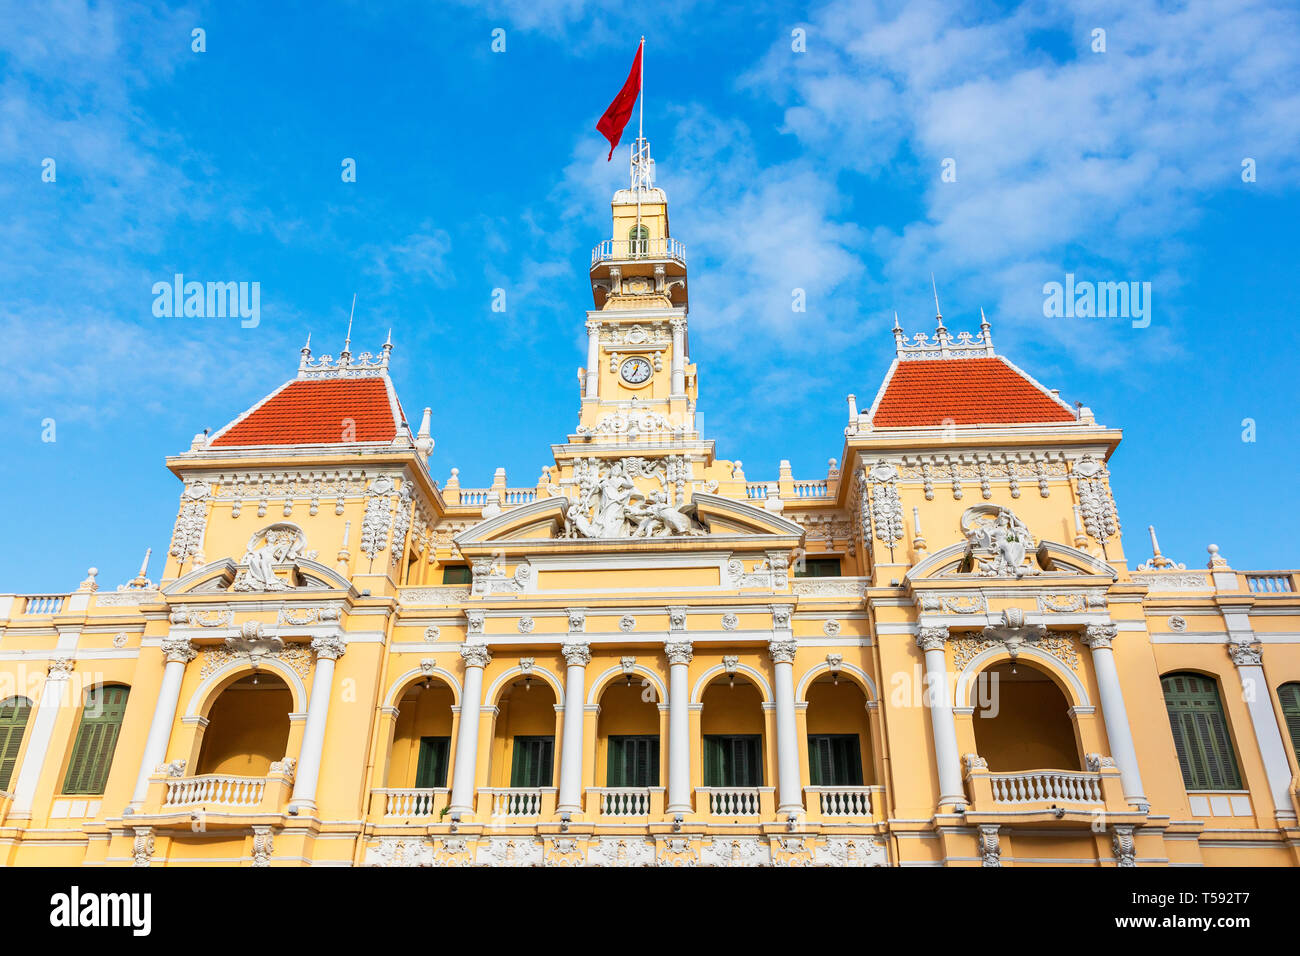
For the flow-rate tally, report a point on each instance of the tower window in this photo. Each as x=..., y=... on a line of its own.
x=639, y=240
x=455, y=574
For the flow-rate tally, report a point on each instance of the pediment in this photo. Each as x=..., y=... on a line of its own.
x=1049, y=559
x=218, y=577
x=714, y=521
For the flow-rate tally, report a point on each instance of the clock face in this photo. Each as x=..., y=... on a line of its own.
x=635, y=370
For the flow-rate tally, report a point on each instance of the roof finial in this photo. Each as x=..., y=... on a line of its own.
x=347, y=342
x=387, y=350
x=305, y=352
x=938, y=315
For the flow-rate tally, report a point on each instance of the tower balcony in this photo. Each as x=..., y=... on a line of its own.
x=615, y=251
x=639, y=267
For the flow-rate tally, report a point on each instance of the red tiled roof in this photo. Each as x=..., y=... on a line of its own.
x=312, y=412
x=970, y=391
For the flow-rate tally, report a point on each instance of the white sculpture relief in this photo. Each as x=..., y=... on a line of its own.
x=1095, y=502
x=999, y=543
x=191, y=523
x=886, y=507
x=620, y=851
x=609, y=505
x=281, y=543
x=377, y=519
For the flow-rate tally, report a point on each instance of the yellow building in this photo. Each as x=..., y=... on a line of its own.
x=938, y=653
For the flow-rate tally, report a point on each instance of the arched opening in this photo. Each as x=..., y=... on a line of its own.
x=422, y=736
x=627, y=734
x=1022, y=720
x=523, y=743
x=103, y=709
x=731, y=727
x=13, y=723
x=248, y=727
x=839, y=734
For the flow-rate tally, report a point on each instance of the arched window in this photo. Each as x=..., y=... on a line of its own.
x=1288, y=694
x=639, y=240
x=1200, y=732
x=13, y=721
x=92, y=754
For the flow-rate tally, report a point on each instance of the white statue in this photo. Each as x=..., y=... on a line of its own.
x=999, y=541
x=282, y=543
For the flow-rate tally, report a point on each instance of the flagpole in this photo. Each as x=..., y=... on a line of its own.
x=640, y=137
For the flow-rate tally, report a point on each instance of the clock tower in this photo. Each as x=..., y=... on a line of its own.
x=638, y=385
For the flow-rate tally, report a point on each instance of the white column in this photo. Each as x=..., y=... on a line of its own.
x=939, y=701
x=1259, y=701
x=679, y=726
x=1098, y=637
x=593, y=358
x=177, y=653
x=789, y=793
x=38, y=744
x=678, y=366
x=577, y=656
x=328, y=650
x=476, y=657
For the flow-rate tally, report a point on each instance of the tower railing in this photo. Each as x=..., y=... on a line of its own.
x=624, y=250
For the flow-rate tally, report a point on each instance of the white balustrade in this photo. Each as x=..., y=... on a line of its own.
x=43, y=603
x=842, y=801
x=622, y=249
x=517, y=802
x=520, y=496
x=418, y=802
x=1035, y=786
x=756, y=490
x=623, y=801
x=811, y=489
x=475, y=496
x=1270, y=583
x=215, y=789
x=732, y=801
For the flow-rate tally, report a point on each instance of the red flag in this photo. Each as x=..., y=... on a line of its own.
x=620, y=111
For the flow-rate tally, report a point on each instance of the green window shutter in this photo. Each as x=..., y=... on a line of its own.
x=532, y=765
x=13, y=722
x=615, y=771
x=456, y=574
x=633, y=761
x=1288, y=694
x=713, y=761
x=835, y=760
x=92, y=754
x=431, y=769
x=1200, y=731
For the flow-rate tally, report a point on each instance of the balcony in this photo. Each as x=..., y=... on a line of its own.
x=626, y=250
x=620, y=803
x=516, y=804
x=220, y=798
x=736, y=802
x=423, y=804
x=1045, y=795
x=844, y=804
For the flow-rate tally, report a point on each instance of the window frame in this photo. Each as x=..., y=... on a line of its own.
x=1204, y=747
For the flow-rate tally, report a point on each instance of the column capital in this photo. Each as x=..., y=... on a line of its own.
x=576, y=653
x=1099, y=635
x=1245, y=653
x=678, y=652
x=475, y=655
x=931, y=638
x=593, y=325
x=783, y=651
x=329, y=648
x=677, y=324
x=178, y=650
x=60, y=668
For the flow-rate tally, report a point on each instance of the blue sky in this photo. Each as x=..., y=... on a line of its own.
x=818, y=170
